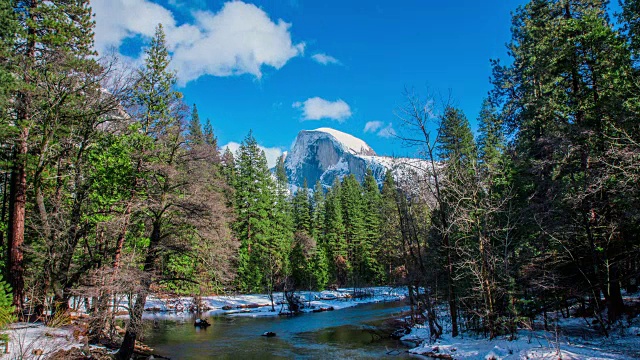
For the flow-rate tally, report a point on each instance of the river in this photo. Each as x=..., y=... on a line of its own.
x=351, y=333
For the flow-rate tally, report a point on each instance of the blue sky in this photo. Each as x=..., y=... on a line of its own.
x=281, y=66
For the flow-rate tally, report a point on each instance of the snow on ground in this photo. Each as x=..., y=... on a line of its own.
x=571, y=338
x=255, y=305
x=528, y=345
x=36, y=341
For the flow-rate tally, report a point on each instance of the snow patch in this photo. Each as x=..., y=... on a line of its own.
x=351, y=143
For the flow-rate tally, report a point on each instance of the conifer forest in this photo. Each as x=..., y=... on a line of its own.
x=112, y=186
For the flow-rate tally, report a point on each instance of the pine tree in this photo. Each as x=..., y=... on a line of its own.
x=302, y=210
x=491, y=137
x=319, y=269
x=209, y=137
x=283, y=217
x=56, y=76
x=372, y=222
x=196, y=136
x=390, y=242
x=567, y=103
x=355, y=236
x=455, y=139
x=177, y=189
x=630, y=19
x=457, y=151
x=317, y=213
x=229, y=167
x=8, y=30
x=155, y=97
x=334, y=237
x=253, y=204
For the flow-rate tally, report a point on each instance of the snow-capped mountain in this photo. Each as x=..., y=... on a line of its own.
x=324, y=154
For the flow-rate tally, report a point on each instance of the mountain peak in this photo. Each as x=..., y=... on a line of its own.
x=351, y=143
x=325, y=154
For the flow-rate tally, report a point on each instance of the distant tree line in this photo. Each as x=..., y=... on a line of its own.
x=310, y=239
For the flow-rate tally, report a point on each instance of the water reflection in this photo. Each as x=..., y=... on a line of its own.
x=353, y=333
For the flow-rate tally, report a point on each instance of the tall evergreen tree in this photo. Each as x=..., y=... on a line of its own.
x=353, y=212
x=155, y=98
x=55, y=74
x=8, y=31
x=389, y=243
x=229, y=167
x=566, y=104
x=457, y=151
x=181, y=211
x=302, y=210
x=317, y=213
x=196, y=137
x=334, y=236
x=208, y=134
x=455, y=139
x=372, y=223
x=491, y=139
x=630, y=19
x=253, y=204
x=283, y=217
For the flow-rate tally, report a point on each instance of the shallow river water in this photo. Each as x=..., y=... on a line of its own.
x=351, y=333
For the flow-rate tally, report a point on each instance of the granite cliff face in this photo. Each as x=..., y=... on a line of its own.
x=326, y=154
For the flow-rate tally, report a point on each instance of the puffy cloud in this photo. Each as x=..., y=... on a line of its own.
x=117, y=20
x=272, y=154
x=387, y=131
x=239, y=39
x=325, y=59
x=318, y=108
x=373, y=126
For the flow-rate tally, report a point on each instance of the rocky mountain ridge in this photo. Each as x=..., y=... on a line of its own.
x=325, y=154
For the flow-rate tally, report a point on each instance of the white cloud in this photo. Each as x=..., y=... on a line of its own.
x=373, y=126
x=232, y=145
x=120, y=19
x=272, y=154
x=379, y=128
x=325, y=59
x=239, y=39
x=387, y=131
x=317, y=108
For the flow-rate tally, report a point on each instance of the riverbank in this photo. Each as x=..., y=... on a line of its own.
x=37, y=341
x=568, y=338
x=255, y=305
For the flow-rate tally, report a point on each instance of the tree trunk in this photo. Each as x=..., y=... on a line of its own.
x=615, y=304
x=18, y=199
x=122, y=236
x=135, y=326
x=135, y=315
x=451, y=292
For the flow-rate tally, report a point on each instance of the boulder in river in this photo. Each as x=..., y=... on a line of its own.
x=269, y=334
x=201, y=323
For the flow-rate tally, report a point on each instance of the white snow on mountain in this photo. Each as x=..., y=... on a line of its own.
x=325, y=154
x=351, y=143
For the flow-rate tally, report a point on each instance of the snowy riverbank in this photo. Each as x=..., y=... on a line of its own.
x=573, y=338
x=260, y=305
x=36, y=341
